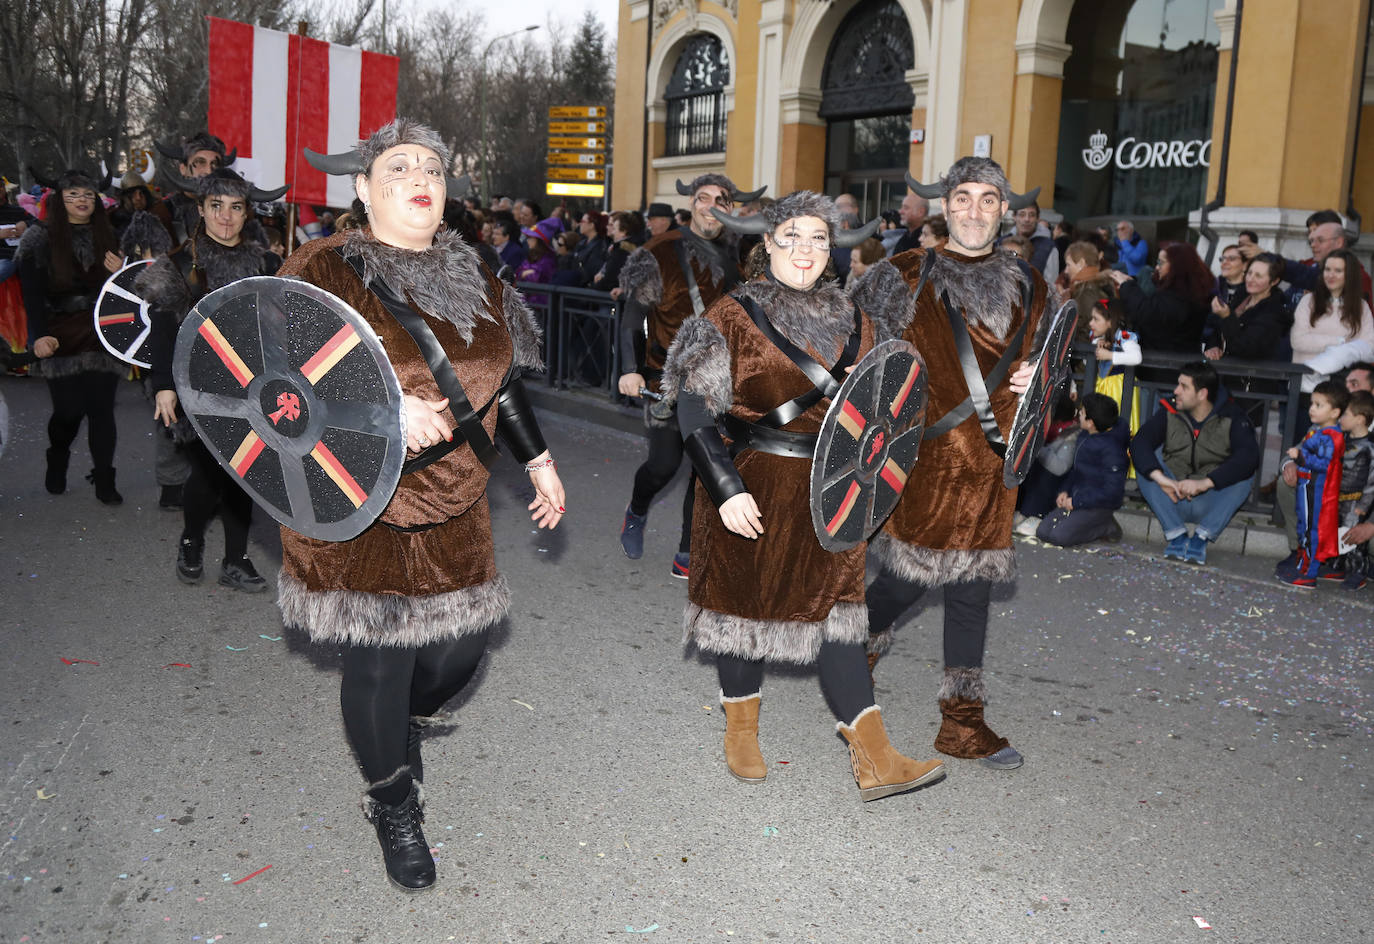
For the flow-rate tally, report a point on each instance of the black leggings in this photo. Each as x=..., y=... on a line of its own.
x=966, y=613
x=665, y=455
x=89, y=395
x=209, y=489
x=383, y=686
x=844, y=678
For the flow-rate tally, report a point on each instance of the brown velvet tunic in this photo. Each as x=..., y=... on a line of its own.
x=955, y=503
x=675, y=305
x=777, y=597
x=407, y=587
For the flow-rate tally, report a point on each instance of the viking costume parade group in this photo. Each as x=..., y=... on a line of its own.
x=851, y=450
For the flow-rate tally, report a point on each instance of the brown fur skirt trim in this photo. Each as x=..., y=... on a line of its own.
x=772, y=640
x=385, y=619
x=931, y=567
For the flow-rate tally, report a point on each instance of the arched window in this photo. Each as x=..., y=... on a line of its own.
x=696, y=98
x=865, y=72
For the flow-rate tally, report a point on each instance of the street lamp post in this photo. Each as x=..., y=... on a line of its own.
x=482, y=99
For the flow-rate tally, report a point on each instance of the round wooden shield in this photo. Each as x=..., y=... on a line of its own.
x=867, y=445
x=1035, y=412
x=291, y=391
x=121, y=316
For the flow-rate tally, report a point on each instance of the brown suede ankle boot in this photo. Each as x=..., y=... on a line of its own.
x=963, y=732
x=878, y=769
x=742, y=754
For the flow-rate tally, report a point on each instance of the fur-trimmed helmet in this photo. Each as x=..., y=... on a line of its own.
x=203, y=141
x=981, y=170
x=223, y=182
x=724, y=183
x=394, y=133
x=800, y=203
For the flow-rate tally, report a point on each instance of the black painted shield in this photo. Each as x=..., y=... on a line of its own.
x=867, y=445
x=121, y=316
x=1035, y=412
x=291, y=391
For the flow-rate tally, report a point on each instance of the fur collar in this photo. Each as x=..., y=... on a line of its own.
x=163, y=285
x=34, y=244
x=719, y=255
x=986, y=288
x=444, y=281
x=819, y=320
x=226, y=264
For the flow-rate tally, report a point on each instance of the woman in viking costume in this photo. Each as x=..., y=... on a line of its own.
x=219, y=252
x=762, y=589
x=62, y=265
x=414, y=597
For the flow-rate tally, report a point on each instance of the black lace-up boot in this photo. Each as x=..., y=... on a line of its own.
x=405, y=850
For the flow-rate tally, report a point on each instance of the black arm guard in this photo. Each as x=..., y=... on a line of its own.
x=631, y=322
x=515, y=422
x=715, y=469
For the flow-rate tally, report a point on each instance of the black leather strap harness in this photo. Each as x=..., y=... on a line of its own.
x=470, y=428
x=978, y=400
x=766, y=433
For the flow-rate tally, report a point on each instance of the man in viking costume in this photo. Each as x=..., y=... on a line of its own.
x=762, y=588
x=218, y=253
x=201, y=154
x=412, y=599
x=974, y=313
x=673, y=276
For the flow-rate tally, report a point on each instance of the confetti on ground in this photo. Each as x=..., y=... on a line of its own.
x=269, y=638
x=177, y=665
x=523, y=704
x=42, y=795
x=770, y=830
x=652, y=927
x=236, y=648
x=251, y=874
x=75, y=661
x=1201, y=922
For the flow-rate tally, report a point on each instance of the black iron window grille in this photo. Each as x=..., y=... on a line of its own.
x=865, y=72
x=696, y=98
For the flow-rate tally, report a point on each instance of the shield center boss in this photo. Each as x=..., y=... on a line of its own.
x=284, y=406
x=867, y=445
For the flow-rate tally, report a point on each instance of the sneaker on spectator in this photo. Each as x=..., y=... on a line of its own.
x=1296, y=578
x=1177, y=548
x=632, y=534
x=1288, y=564
x=1028, y=526
x=1195, y=551
x=1354, y=580
x=1114, y=532
x=682, y=565
x=1331, y=570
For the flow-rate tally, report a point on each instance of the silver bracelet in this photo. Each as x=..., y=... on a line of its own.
x=542, y=464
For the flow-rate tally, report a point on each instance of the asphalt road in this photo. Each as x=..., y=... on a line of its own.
x=1198, y=744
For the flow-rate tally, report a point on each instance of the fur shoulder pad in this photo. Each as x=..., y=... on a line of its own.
x=145, y=233
x=525, y=336
x=641, y=279
x=34, y=245
x=884, y=295
x=699, y=362
x=163, y=286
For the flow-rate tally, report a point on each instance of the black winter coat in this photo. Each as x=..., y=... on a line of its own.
x=1164, y=319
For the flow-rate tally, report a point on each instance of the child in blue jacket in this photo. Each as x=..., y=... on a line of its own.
x=1097, y=484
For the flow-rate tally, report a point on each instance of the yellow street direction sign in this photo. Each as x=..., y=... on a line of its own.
x=577, y=173
x=557, y=157
x=577, y=127
x=576, y=144
x=575, y=190
x=577, y=111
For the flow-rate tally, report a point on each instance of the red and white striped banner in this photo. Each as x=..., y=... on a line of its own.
x=273, y=94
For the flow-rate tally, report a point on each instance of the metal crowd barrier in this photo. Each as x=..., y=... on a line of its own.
x=1266, y=390
x=579, y=327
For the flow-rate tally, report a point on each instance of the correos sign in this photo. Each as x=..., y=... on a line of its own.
x=1132, y=154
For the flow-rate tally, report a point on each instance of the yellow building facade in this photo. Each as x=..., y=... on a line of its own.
x=1114, y=109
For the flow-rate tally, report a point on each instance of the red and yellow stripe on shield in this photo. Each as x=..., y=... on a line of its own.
x=905, y=392
x=893, y=475
x=852, y=420
x=335, y=470
x=851, y=496
x=246, y=454
x=225, y=352
x=333, y=351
